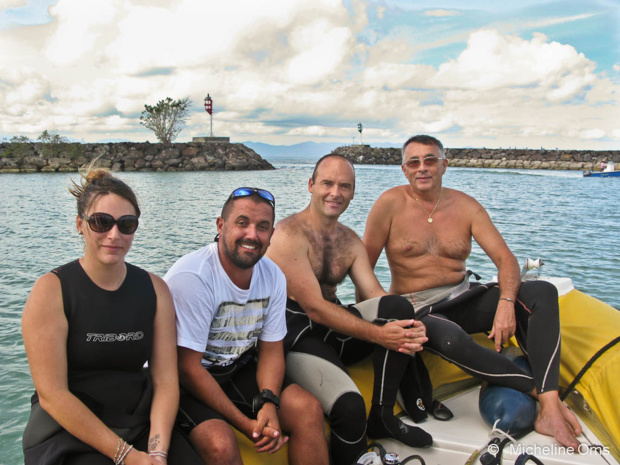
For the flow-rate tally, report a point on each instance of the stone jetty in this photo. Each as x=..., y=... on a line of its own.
x=491, y=158
x=32, y=157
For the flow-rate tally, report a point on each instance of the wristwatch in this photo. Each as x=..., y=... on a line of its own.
x=265, y=396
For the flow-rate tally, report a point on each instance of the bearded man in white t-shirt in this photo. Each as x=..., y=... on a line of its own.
x=230, y=304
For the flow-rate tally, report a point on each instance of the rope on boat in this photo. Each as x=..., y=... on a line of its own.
x=501, y=432
x=587, y=366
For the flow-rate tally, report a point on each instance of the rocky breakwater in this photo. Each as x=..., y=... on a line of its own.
x=492, y=158
x=129, y=156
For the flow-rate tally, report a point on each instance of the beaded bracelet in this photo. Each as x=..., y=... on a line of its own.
x=124, y=454
x=122, y=449
x=118, y=448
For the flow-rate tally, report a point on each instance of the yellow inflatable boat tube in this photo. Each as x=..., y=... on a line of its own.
x=590, y=333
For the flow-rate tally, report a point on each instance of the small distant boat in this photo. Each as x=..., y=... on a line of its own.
x=602, y=174
x=608, y=171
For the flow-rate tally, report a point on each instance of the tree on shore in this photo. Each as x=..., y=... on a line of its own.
x=21, y=146
x=53, y=145
x=48, y=145
x=166, y=118
x=47, y=137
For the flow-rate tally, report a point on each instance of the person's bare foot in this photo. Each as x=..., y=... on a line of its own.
x=556, y=420
x=570, y=417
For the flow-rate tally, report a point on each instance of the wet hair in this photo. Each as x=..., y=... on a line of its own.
x=97, y=182
x=335, y=155
x=424, y=140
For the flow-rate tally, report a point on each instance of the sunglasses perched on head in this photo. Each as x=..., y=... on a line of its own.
x=247, y=191
x=103, y=222
x=414, y=163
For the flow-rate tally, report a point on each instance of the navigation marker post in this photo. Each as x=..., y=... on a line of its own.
x=210, y=138
x=209, y=109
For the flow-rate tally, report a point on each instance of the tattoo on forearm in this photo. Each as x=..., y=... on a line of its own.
x=154, y=442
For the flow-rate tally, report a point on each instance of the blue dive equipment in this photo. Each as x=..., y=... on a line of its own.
x=515, y=411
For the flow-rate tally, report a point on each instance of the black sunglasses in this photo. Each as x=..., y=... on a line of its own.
x=103, y=222
x=247, y=191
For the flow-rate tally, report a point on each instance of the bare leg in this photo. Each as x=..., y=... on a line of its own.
x=301, y=416
x=556, y=420
x=215, y=442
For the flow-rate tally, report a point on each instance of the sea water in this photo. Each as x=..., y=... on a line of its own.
x=570, y=222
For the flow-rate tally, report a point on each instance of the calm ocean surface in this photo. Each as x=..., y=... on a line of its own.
x=571, y=222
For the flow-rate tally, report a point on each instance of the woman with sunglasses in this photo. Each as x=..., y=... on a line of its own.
x=89, y=327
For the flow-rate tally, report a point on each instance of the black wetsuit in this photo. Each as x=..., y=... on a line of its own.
x=449, y=323
x=109, y=340
x=317, y=358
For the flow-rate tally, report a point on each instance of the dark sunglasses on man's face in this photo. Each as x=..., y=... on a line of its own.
x=247, y=191
x=103, y=222
x=414, y=163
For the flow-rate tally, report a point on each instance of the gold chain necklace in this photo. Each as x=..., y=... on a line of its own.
x=430, y=219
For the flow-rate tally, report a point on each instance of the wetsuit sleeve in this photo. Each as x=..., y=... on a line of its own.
x=194, y=310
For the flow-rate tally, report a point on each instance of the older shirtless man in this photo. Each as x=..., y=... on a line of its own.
x=427, y=230
x=316, y=252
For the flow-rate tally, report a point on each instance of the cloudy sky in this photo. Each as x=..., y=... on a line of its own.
x=480, y=73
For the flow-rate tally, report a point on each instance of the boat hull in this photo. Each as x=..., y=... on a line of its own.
x=601, y=174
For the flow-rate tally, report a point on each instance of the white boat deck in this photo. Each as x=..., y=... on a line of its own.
x=456, y=440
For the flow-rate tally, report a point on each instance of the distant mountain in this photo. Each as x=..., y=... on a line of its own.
x=112, y=141
x=308, y=150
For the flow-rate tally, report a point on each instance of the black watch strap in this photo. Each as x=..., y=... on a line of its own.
x=265, y=396
x=269, y=396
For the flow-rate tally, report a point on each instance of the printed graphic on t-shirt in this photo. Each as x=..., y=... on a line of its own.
x=234, y=330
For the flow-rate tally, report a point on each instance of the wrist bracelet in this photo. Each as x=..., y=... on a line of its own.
x=122, y=449
x=158, y=453
x=125, y=452
x=508, y=299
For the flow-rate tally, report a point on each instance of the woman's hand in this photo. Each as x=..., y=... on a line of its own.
x=138, y=457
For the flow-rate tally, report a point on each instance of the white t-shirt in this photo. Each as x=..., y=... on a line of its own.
x=216, y=317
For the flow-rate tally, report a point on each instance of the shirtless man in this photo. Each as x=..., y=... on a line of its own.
x=316, y=253
x=427, y=232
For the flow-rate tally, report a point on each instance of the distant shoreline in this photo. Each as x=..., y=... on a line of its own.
x=31, y=157
x=40, y=157
x=491, y=158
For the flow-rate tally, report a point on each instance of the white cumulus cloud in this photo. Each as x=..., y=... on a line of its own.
x=6, y=4
x=442, y=13
x=289, y=71
x=493, y=61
